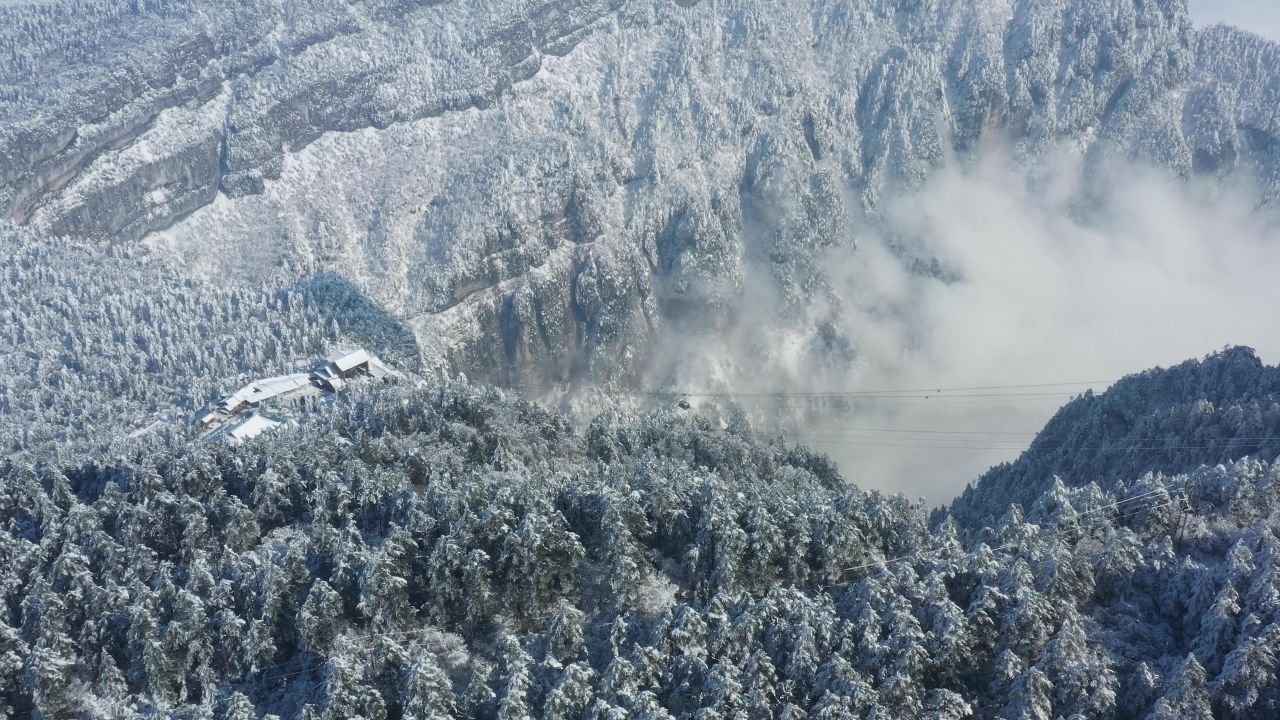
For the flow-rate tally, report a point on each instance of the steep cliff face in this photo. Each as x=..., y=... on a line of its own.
x=119, y=108
x=544, y=188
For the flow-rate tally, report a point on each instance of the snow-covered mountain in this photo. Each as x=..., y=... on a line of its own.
x=541, y=189
x=538, y=193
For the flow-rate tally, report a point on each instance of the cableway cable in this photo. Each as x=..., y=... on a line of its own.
x=970, y=391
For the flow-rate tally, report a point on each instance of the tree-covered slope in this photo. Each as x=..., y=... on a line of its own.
x=450, y=552
x=99, y=341
x=540, y=189
x=1202, y=412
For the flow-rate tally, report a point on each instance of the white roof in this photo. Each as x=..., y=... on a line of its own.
x=347, y=359
x=251, y=427
x=335, y=381
x=380, y=370
x=268, y=388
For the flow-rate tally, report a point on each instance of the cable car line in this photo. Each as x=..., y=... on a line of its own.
x=908, y=392
x=853, y=428
x=973, y=444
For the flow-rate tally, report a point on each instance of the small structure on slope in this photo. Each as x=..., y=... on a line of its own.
x=254, y=393
x=250, y=427
x=342, y=365
x=227, y=420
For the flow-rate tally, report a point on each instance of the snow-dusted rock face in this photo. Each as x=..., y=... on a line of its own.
x=541, y=188
x=123, y=118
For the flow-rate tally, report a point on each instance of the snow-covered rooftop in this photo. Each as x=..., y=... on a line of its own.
x=268, y=388
x=345, y=360
x=251, y=427
x=229, y=421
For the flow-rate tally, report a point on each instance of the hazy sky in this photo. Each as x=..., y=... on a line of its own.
x=1259, y=16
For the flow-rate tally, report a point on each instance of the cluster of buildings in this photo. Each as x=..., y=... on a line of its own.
x=239, y=416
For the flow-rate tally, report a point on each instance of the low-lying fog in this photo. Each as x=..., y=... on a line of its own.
x=1060, y=276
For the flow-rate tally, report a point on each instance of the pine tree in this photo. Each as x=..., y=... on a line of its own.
x=1247, y=686
x=1218, y=628
x=1139, y=691
x=428, y=692
x=479, y=699
x=1083, y=683
x=319, y=617
x=1030, y=697
x=572, y=693
x=109, y=682
x=384, y=593
x=517, y=681
x=49, y=673
x=271, y=498
x=943, y=704
x=564, y=639
x=1186, y=696
x=238, y=707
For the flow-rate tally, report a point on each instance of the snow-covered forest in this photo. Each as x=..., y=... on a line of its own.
x=426, y=552
x=695, y=231
x=97, y=341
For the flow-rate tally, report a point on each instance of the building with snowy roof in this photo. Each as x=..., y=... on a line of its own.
x=341, y=365
x=346, y=361
x=250, y=427
x=232, y=420
x=262, y=390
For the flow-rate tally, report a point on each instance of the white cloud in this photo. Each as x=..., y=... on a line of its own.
x=1063, y=276
x=1155, y=273
x=1258, y=16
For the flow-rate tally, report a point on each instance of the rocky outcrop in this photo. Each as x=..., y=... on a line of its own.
x=542, y=188
x=249, y=85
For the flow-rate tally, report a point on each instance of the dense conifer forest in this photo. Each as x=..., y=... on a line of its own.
x=448, y=551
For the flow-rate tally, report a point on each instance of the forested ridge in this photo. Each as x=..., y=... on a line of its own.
x=451, y=551
x=1169, y=420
